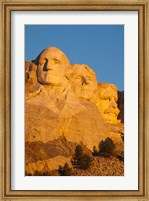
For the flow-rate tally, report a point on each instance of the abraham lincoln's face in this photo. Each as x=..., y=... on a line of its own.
x=51, y=67
x=84, y=83
x=107, y=102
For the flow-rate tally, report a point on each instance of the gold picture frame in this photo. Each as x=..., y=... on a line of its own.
x=5, y=139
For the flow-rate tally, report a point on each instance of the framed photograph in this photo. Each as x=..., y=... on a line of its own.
x=74, y=80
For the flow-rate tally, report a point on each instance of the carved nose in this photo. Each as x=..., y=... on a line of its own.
x=84, y=81
x=113, y=103
x=48, y=65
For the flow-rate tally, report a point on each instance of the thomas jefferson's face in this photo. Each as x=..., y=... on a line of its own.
x=84, y=83
x=51, y=66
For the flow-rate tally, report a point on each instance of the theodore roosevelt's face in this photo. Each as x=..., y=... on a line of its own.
x=84, y=83
x=51, y=66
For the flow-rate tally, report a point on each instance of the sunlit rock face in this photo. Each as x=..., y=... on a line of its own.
x=44, y=107
x=52, y=64
x=57, y=109
x=107, y=102
x=32, y=87
x=47, y=73
x=83, y=81
x=47, y=165
x=79, y=121
x=64, y=100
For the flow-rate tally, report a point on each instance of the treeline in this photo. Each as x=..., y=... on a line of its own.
x=83, y=160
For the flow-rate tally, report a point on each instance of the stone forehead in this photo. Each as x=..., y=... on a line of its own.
x=55, y=53
x=107, y=90
x=80, y=69
x=106, y=86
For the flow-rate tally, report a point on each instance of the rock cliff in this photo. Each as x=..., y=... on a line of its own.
x=66, y=106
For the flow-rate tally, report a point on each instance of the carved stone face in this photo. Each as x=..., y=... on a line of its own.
x=51, y=67
x=107, y=102
x=83, y=81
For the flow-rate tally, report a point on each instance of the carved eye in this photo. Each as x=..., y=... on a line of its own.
x=41, y=62
x=78, y=78
x=55, y=61
x=89, y=78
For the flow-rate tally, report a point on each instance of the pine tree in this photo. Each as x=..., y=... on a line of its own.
x=107, y=147
x=78, y=152
x=95, y=152
x=65, y=170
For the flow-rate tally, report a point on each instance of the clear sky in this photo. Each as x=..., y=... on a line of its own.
x=99, y=46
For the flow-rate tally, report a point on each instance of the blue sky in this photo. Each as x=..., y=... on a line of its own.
x=99, y=46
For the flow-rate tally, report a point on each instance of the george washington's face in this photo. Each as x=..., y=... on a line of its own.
x=51, y=67
x=84, y=83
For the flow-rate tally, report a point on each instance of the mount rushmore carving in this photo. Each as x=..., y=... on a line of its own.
x=64, y=99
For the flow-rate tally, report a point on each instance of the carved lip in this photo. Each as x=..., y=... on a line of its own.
x=111, y=111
